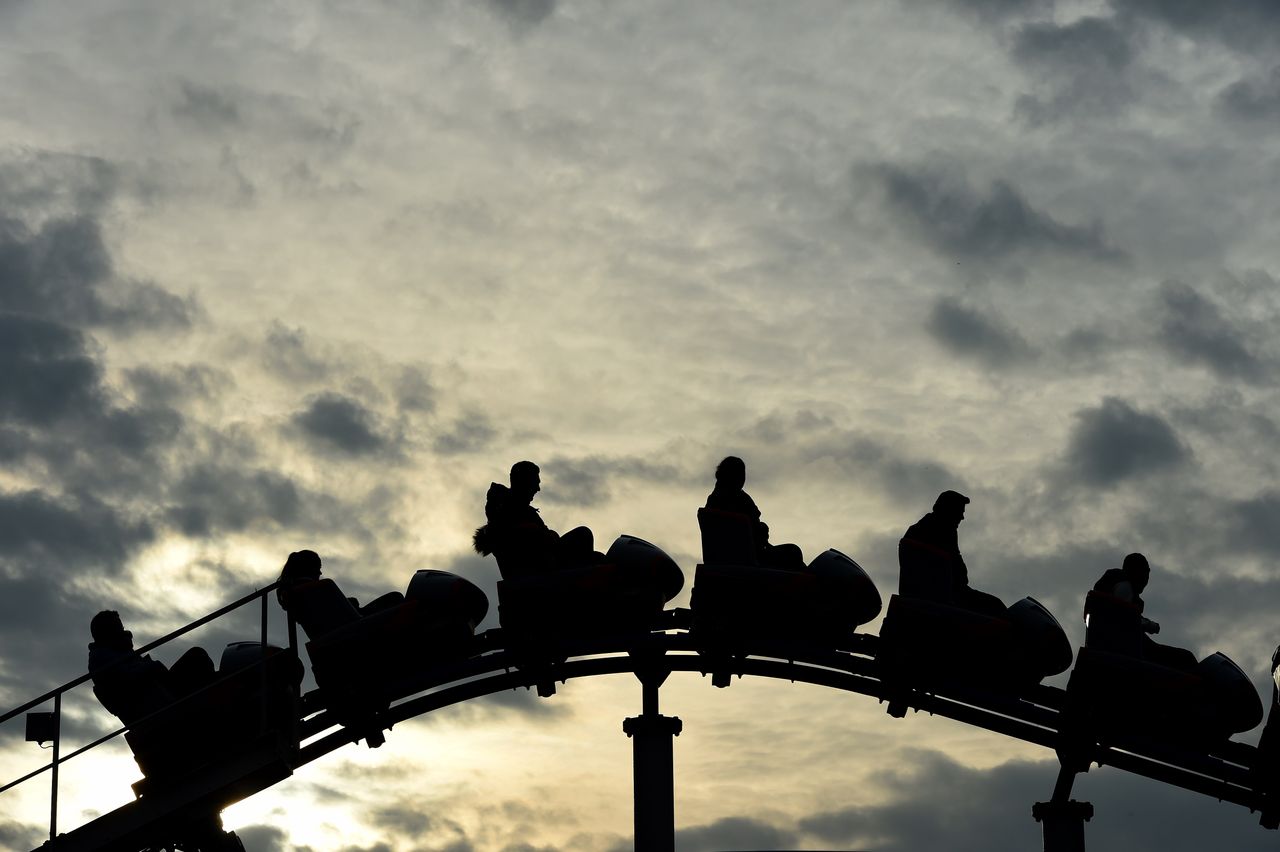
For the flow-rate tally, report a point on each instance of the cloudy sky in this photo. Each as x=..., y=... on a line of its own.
x=278, y=275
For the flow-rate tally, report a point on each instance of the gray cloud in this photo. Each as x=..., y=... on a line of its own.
x=46, y=372
x=1252, y=523
x=338, y=424
x=469, y=433
x=523, y=15
x=209, y=499
x=16, y=835
x=72, y=535
x=1253, y=98
x=205, y=107
x=414, y=391
x=972, y=334
x=995, y=11
x=1194, y=330
x=1243, y=24
x=1088, y=41
x=263, y=838
x=63, y=272
x=1115, y=442
x=817, y=444
x=1083, y=67
x=734, y=833
x=287, y=353
x=587, y=481
x=936, y=803
x=998, y=225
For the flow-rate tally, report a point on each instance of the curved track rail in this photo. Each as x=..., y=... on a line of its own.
x=1036, y=716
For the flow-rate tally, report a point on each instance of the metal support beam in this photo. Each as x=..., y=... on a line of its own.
x=653, y=764
x=1063, y=824
x=1062, y=819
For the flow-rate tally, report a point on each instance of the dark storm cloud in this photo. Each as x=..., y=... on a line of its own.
x=209, y=499
x=734, y=833
x=1253, y=99
x=1252, y=523
x=337, y=424
x=939, y=804
x=68, y=535
x=1243, y=24
x=63, y=271
x=588, y=481
x=1081, y=68
x=46, y=372
x=1085, y=42
x=470, y=433
x=987, y=227
x=1194, y=330
x=972, y=334
x=1115, y=442
x=15, y=835
x=263, y=838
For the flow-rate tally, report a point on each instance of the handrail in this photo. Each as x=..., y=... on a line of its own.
x=56, y=694
x=200, y=622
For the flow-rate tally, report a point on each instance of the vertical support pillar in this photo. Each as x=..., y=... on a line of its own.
x=57, y=751
x=1062, y=824
x=653, y=764
x=1062, y=818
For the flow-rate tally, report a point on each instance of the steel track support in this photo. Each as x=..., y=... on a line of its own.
x=1062, y=818
x=653, y=768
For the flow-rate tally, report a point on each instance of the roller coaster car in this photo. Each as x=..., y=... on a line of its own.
x=622, y=594
x=356, y=659
x=734, y=597
x=1115, y=691
x=174, y=737
x=824, y=603
x=1266, y=767
x=926, y=640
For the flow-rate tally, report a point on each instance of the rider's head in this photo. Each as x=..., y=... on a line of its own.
x=106, y=628
x=731, y=472
x=950, y=506
x=301, y=565
x=525, y=481
x=1137, y=571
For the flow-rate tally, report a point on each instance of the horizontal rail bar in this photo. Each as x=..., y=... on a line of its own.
x=200, y=622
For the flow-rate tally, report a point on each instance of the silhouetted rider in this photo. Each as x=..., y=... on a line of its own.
x=1128, y=624
x=729, y=496
x=517, y=535
x=929, y=561
x=133, y=685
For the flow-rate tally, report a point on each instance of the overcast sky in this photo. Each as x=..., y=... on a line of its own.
x=278, y=275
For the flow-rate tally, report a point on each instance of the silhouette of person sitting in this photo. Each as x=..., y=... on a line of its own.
x=518, y=537
x=729, y=495
x=929, y=561
x=1126, y=627
x=133, y=685
x=303, y=566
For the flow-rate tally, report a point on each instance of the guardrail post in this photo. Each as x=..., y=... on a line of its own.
x=653, y=770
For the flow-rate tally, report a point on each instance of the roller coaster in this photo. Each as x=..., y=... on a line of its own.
x=744, y=621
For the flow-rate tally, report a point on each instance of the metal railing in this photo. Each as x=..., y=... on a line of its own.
x=57, y=758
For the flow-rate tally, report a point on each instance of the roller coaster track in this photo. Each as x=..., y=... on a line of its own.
x=1037, y=715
